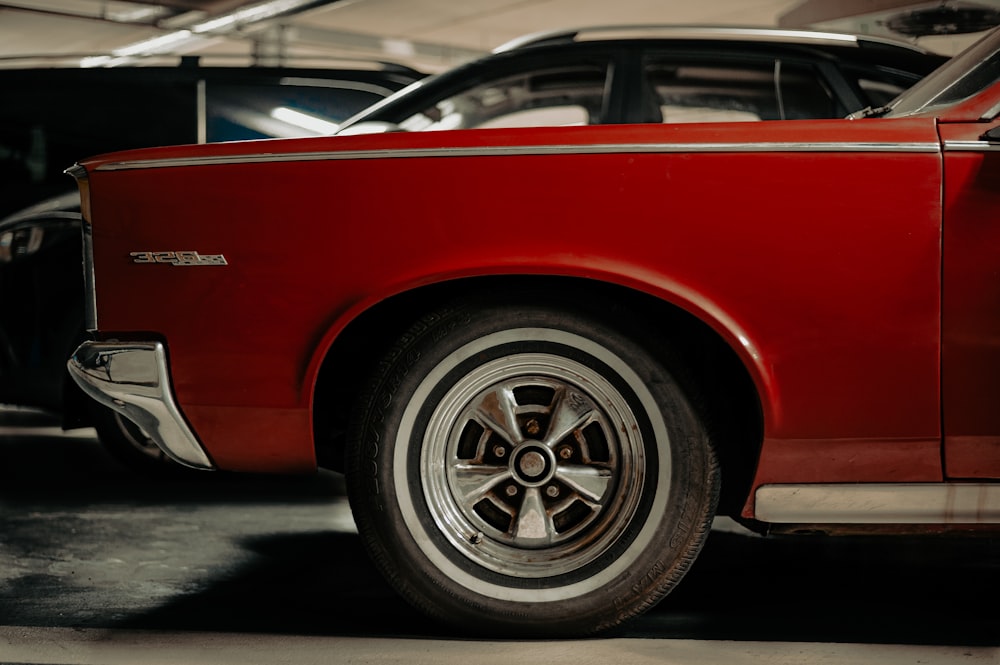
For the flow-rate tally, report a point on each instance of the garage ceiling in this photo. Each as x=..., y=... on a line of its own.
x=430, y=35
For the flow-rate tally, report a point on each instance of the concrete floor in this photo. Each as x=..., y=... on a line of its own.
x=99, y=565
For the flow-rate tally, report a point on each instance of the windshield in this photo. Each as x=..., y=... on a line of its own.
x=960, y=78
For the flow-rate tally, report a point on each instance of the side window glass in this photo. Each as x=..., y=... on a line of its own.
x=879, y=93
x=554, y=95
x=237, y=111
x=701, y=91
x=879, y=87
x=804, y=93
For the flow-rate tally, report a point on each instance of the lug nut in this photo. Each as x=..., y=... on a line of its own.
x=552, y=491
x=499, y=451
x=565, y=452
x=532, y=427
x=511, y=490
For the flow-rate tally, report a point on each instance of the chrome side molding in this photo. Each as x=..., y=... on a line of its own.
x=528, y=149
x=132, y=378
x=880, y=503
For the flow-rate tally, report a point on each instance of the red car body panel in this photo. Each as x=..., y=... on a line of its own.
x=970, y=321
x=816, y=255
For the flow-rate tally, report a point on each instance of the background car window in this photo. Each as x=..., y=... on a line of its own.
x=701, y=91
x=50, y=120
x=237, y=112
x=564, y=95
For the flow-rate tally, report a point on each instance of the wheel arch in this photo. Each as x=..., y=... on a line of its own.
x=718, y=382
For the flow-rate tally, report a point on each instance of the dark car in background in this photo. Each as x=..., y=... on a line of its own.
x=51, y=117
x=655, y=74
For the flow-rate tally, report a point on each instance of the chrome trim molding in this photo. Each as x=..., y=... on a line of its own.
x=779, y=36
x=132, y=378
x=971, y=146
x=77, y=171
x=882, y=503
x=525, y=150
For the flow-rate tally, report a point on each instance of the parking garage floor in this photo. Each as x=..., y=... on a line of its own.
x=98, y=565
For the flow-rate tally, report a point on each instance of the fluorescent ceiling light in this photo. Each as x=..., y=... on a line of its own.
x=251, y=14
x=160, y=44
x=182, y=20
x=174, y=41
x=132, y=14
x=304, y=120
x=95, y=61
x=109, y=10
x=399, y=48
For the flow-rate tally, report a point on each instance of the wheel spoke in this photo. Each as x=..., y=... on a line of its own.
x=497, y=411
x=533, y=526
x=570, y=414
x=591, y=483
x=474, y=481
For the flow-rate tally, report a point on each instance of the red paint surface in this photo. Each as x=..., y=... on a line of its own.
x=821, y=269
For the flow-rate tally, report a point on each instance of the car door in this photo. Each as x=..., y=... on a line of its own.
x=971, y=300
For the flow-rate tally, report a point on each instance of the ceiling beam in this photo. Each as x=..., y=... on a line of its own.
x=388, y=47
x=811, y=12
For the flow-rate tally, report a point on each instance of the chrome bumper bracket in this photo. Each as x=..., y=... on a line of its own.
x=133, y=379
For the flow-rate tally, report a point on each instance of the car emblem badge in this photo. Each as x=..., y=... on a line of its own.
x=179, y=258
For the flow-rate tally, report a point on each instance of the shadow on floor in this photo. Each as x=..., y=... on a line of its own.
x=742, y=588
x=820, y=589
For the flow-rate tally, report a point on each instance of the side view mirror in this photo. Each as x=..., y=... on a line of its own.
x=992, y=135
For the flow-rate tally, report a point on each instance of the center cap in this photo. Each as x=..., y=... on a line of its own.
x=532, y=464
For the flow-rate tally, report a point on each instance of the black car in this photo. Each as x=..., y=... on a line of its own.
x=50, y=117
x=657, y=74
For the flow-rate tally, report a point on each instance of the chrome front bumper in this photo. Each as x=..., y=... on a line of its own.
x=132, y=378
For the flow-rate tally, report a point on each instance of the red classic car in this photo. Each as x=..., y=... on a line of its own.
x=547, y=358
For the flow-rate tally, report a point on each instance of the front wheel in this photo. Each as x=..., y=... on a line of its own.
x=530, y=470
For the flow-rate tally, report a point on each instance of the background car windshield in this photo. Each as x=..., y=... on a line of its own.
x=562, y=95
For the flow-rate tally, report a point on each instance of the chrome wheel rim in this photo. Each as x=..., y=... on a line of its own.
x=533, y=465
